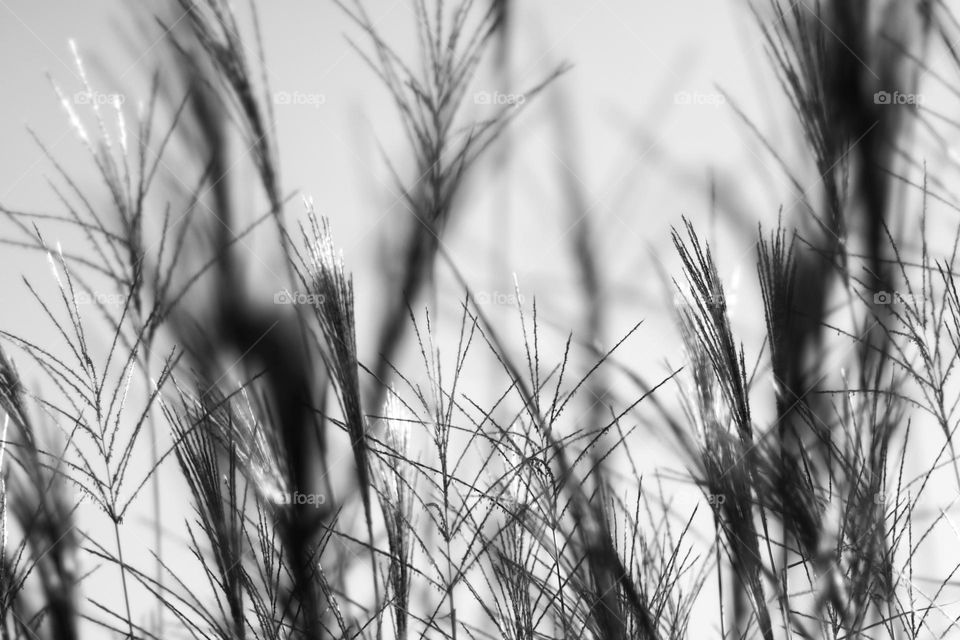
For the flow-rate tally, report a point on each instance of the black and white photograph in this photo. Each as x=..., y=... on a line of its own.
x=479, y=319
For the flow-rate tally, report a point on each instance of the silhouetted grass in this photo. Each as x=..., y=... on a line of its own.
x=502, y=511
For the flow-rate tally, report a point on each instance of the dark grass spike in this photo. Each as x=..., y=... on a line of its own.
x=784, y=489
x=706, y=317
x=234, y=425
x=214, y=28
x=777, y=271
x=335, y=315
x=720, y=396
